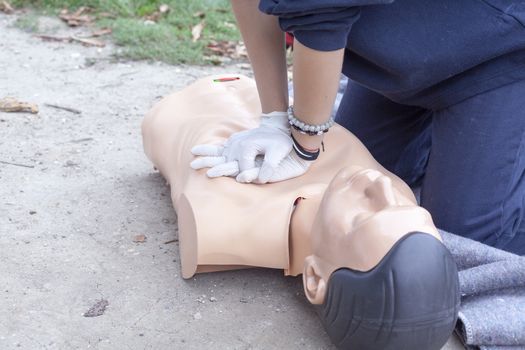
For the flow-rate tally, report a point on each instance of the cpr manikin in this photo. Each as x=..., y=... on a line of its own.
x=372, y=260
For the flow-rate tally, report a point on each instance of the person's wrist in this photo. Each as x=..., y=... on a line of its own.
x=304, y=153
x=309, y=142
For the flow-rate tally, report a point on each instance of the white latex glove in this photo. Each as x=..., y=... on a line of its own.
x=290, y=167
x=271, y=139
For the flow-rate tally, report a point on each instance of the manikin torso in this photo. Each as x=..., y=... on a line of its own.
x=224, y=224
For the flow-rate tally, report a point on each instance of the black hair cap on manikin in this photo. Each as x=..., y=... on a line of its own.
x=409, y=301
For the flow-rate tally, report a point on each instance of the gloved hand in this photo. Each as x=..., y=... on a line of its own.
x=237, y=157
x=290, y=167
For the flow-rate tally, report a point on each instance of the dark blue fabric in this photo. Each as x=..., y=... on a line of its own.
x=445, y=75
x=426, y=53
x=320, y=24
x=436, y=53
x=470, y=157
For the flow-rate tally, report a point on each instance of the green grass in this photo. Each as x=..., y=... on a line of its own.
x=169, y=39
x=28, y=23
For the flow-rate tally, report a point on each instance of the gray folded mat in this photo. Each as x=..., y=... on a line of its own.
x=492, y=285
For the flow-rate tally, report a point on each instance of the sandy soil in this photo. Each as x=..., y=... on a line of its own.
x=76, y=188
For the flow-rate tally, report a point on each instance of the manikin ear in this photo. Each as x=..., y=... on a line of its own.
x=313, y=282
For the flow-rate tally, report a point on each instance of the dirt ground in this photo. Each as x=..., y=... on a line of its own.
x=76, y=188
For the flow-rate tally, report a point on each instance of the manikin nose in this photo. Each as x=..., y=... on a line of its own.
x=382, y=191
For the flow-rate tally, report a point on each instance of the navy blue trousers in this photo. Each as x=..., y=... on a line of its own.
x=468, y=158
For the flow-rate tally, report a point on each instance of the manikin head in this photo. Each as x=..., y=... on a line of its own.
x=377, y=269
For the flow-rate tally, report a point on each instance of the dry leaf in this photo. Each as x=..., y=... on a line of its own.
x=199, y=14
x=164, y=8
x=106, y=15
x=89, y=42
x=81, y=10
x=228, y=48
x=217, y=60
x=5, y=7
x=240, y=50
x=12, y=105
x=245, y=66
x=76, y=18
x=101, y=32
x=98, y=309
x=196, y=31
x=139, y=238
x=223, y=51
x=155, y=16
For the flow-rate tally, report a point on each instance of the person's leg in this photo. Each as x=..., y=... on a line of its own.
x=475, y=179
x=398, y=136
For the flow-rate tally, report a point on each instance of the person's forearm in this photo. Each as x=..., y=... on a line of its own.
x=316, y=77
x=265, y=44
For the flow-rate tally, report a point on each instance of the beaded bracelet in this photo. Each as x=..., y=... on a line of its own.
x=303, y=152
x=308, y=129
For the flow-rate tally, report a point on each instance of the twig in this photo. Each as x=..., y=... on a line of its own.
x=82, y=140
x=17, y=164
x=101, y=32
x=110, y=85
x=128, y=73
x=172, y=241
x=69, y=39
x=54, y=38
x=86, y=139
x=88, y=42
x=69, y=109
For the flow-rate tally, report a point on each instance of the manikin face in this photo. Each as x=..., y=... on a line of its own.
x=360, y=218
x=362, y=193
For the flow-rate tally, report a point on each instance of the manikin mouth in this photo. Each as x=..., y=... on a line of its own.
x=361, y=217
